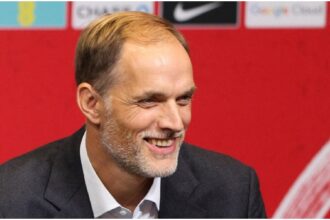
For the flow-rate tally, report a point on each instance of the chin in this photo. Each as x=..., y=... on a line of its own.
x=163, y=168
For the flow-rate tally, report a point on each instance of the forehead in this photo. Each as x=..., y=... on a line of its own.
x=165, y=64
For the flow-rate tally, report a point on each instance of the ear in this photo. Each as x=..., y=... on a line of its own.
x=90, y=103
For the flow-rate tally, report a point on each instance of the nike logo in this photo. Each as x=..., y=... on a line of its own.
x=182, y=15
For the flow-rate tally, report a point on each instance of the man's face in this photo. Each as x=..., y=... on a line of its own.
x=149, y=108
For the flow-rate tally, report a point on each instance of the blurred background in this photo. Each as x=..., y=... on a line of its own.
x=262, y=71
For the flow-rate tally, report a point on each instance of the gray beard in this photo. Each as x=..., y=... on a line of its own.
x=127, y=155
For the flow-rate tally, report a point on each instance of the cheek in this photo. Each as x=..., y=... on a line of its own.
x=140, y=120
x=186, y=116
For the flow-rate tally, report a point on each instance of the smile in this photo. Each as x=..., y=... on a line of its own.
x=161, y=146
x=160, y=142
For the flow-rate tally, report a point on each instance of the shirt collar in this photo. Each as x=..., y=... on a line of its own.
x=101, y=199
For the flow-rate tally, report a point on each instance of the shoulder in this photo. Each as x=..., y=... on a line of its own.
x=208, y=163
x=33, y=161
x=27, y=175
x=222, y=181
x=217, y=173
x=41, y=155
x=35, y=184
x=23, y=180
x=29, y=163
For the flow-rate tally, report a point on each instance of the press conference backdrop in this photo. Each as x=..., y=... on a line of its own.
x=262, y=71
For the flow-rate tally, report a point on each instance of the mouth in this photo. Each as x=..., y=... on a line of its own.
x=161, y=146
x=162, y=143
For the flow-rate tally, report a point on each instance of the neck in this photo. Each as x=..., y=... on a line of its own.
x=128, y=189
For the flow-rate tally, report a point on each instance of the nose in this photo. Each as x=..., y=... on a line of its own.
x=170, y=117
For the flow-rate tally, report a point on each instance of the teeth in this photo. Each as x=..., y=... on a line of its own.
x=161, y=143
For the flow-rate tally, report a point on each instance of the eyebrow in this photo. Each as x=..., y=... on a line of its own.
x=156, y=95
x=189, y=93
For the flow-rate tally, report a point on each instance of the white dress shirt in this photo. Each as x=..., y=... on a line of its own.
x=104, y=205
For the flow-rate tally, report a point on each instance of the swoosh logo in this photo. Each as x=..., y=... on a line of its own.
x=181, y=14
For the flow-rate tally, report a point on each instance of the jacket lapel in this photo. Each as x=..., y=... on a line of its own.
x=177, y=194
x=66, y=188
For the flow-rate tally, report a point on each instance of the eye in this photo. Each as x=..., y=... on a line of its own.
x=184, y=100
x=147, y=103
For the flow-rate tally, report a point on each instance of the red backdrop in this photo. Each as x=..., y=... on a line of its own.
x=263, y=95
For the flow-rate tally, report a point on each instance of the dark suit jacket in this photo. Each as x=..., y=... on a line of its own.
x=49, y=182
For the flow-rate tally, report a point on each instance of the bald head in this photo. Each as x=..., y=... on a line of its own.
x=100, y=45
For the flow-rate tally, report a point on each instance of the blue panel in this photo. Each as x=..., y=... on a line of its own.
x=32, y=14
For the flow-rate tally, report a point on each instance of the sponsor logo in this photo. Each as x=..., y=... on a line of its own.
x=32, y=15
x=200, y=13
x=84, y=12
x=285, y=14
x=276, y=11
x=181, y=14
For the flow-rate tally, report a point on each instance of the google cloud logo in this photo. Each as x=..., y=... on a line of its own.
x=268, y=10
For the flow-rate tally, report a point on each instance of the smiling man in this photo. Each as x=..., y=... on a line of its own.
x=134, y=86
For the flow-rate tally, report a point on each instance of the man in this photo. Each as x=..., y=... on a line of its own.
x=135, y=85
